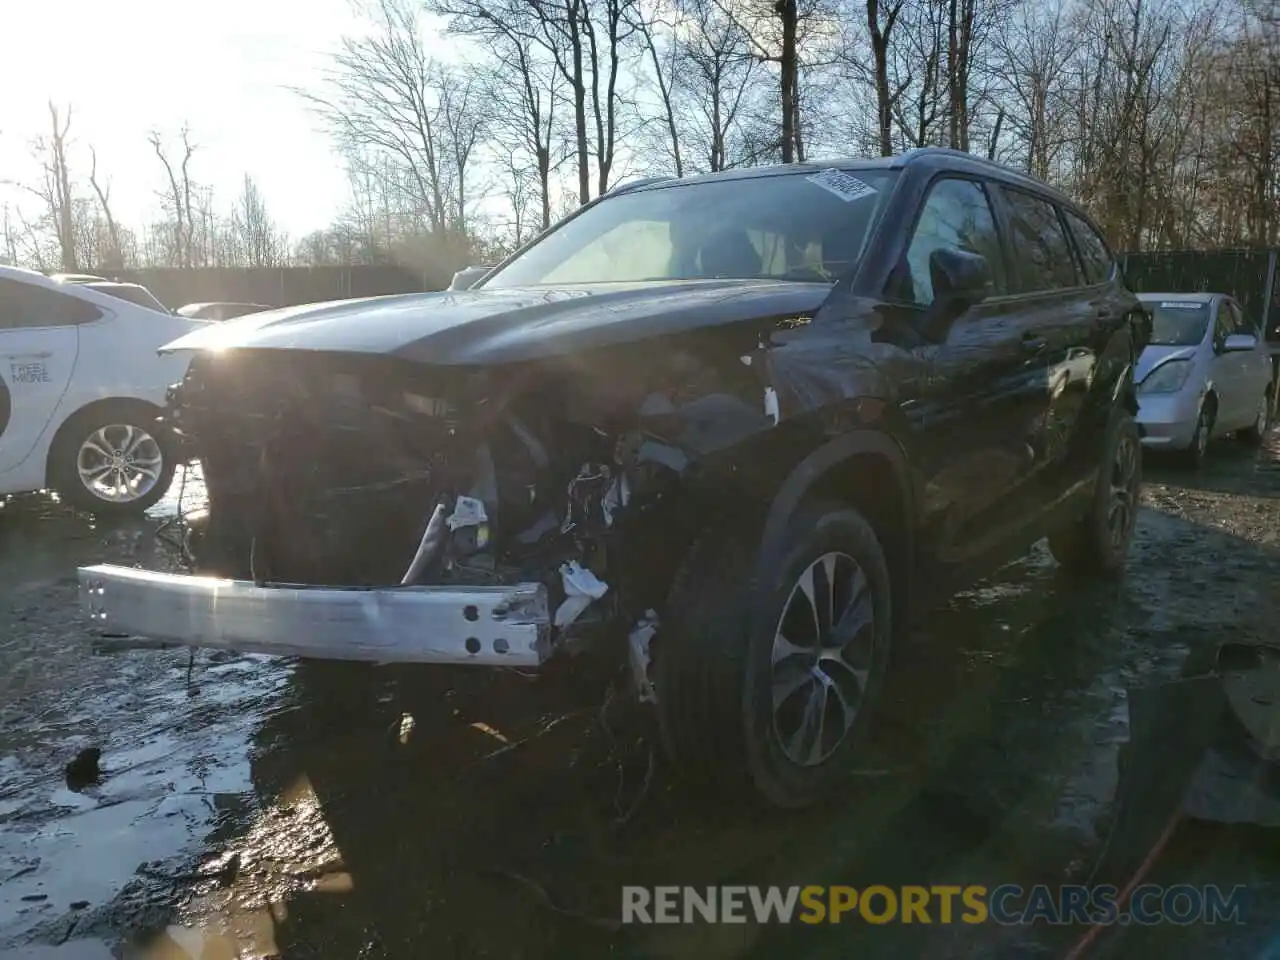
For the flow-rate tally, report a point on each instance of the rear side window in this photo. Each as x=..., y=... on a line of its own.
x=1093, y=249
x=26, y=305
x=139, y=296
x=1042, y=255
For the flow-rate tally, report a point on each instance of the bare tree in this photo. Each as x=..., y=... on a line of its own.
x=528, y=93
x=54, y=191
x=177, y=197
x=254, y=238
x=52, y=236
x=657, y=35
x=1161, y=116
x=1033, y=54
x=718, y=77
x=9, y=240
x=608, y=29
x=778, y=30
x=1257, y=67
x=404, y=117
x=465, y=127
x=918, y=69
x=882, y=17
x=584, y=40
x=58, y=184
x=114, y=258
x=522, y=88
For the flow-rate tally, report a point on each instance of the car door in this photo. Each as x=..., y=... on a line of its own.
x=1062, y=309
x=39, y=346
x=1115, y=318
x=1255, y=365
x=979, y=405
x=1226, y=371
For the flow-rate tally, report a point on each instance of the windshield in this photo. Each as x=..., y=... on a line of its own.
x=1178, y=323
x=810, y=227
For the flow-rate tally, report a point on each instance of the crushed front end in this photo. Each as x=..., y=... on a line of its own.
x=368, y=508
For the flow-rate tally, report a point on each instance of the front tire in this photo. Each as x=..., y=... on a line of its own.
x=113, y=459
x=779, y=704
x=1199, y=448
x=1098, y=544
x=1253, y=434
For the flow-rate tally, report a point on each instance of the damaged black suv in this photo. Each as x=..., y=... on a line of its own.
x=744, y=426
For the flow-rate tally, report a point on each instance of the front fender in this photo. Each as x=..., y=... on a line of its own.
x=801, y=481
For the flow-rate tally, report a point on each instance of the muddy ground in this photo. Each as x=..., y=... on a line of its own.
x=260, y=808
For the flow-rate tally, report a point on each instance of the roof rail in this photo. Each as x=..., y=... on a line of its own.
x=943, y=152
x=630, y=185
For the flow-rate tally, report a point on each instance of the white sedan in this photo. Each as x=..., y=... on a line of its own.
x=81, y=386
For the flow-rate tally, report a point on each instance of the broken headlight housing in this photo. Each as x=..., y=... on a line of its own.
x=1167, y=378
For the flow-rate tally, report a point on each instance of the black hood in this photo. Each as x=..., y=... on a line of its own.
x=501, y=326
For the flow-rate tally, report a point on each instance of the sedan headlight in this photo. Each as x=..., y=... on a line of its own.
x=1166, y=378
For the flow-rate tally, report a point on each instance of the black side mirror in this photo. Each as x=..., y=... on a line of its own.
x=960, y=278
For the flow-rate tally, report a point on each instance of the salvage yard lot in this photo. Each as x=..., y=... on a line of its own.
x=323, y=810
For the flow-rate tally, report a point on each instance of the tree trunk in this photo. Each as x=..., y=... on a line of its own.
x=880, y=55
x=544, y=184
x=579, y=83
x=789, y=68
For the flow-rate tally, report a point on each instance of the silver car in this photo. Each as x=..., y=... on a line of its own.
x=1205, y=373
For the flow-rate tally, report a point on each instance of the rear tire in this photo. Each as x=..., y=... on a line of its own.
x=1098, y=544
x=113, y=459
x=737, y=708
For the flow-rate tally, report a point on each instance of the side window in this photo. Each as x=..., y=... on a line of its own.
x=1043, y=257
x=1224, y=324
x=1093, y=249
x=956, y=216
x=1240, y=321
x=27, y=305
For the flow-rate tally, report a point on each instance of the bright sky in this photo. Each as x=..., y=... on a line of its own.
x=129, y=66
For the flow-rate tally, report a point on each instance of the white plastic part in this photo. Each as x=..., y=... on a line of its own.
x=467, y=512
x=581, y=587
x=771, y=404
x=638, y=650
x=616, y=497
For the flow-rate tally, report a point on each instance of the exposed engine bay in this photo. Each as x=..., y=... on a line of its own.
x=348, y=470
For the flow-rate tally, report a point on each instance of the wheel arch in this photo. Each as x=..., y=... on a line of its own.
x=1125, y=390
x=83, y=411
x=868, y=469
x=6, y=406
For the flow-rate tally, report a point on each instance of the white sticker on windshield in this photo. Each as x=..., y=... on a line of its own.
x=1181, y=305
x=845, y=186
